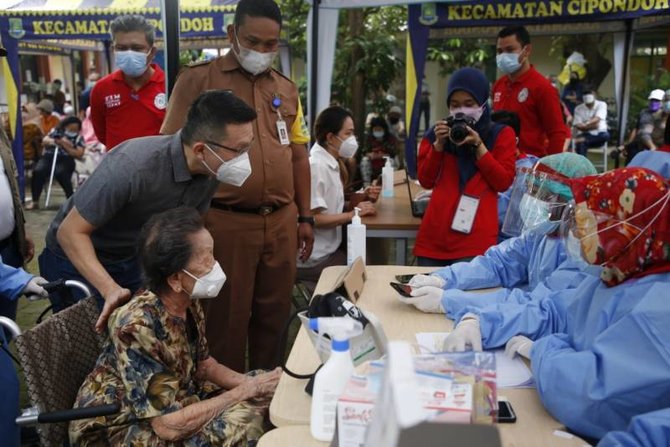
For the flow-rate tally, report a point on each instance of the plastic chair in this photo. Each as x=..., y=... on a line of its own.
x=56, y=356
x=602, y=166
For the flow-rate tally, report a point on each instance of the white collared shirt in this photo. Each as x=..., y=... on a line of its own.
x=583, y=114
x=327, y=195
x=6, y=205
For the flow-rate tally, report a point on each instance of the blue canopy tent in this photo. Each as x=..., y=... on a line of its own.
x=476, y=18
x=64, y=20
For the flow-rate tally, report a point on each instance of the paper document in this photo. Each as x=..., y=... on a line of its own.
x=510, y=373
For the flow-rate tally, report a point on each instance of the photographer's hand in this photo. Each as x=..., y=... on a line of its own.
x=475, y=141
x=441, y=134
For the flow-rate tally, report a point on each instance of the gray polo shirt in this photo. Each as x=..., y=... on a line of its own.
x=139, y=178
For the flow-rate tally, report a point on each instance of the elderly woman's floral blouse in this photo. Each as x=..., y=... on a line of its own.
x=149, y=365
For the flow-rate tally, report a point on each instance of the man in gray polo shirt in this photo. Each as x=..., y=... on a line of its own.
x=93, y=236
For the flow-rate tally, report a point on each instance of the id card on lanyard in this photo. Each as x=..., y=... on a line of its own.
x=282, y=128
x=465, y=214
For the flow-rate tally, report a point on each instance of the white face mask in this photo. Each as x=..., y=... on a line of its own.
x=253, y=61
x=234, y=172
x=473, y=112
x=208, y=285
x=378, y=134
x=348, y=147
x=589, y=99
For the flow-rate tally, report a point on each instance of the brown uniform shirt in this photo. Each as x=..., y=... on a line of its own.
x=271, y=179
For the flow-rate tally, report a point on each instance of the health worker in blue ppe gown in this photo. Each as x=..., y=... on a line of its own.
x=537, y=200
x=13, y=283
x=645, y=430
x=655, y=160
x=601, y=356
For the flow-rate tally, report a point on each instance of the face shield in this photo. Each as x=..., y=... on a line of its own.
x=537, y=200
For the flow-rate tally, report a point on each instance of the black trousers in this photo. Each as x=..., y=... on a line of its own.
x=65, y=166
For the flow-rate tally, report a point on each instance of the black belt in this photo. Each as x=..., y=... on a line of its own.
x=261, y=210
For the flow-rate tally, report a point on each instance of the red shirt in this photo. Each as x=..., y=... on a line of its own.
x=537, y=103
x=664, y=148
x=119, y=113
x=439, y=171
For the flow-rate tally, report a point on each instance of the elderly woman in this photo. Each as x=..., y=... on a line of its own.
x=156, y=362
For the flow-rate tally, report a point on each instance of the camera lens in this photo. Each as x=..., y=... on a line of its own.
x=458, y=133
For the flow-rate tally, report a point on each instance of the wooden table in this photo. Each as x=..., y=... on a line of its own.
x=291, y=405
x=394, y=220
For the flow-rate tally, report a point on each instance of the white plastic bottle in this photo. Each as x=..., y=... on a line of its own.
x=387, y=178
x=355, y=238
x=332, y=378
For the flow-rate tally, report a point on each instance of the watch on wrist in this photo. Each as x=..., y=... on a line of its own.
x=306, y=219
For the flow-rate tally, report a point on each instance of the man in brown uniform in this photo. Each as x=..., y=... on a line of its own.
x=257, y=222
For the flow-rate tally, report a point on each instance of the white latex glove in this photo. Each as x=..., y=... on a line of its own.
x=518, y=345
x=466, y=333
x=426, y=299
x=427, y=280
x=34, y=290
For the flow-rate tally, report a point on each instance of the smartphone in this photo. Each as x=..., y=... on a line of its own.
x=402, y=289
x=506, y=413
x=403, y=279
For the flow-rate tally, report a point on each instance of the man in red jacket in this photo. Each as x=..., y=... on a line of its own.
x=529, y=94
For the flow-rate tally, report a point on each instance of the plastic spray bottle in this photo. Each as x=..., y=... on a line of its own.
x=355, y=238
x=332, y=378
x=387, y=178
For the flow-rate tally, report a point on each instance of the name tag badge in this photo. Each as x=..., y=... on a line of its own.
x=465, y=214
x=282, y=131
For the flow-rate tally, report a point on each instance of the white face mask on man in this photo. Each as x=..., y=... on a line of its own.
x=234, y=172
x=209, y=285
x=253, y=61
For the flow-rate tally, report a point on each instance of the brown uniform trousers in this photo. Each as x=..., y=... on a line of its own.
x=257, y=252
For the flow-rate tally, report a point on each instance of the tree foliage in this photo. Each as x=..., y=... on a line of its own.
x=294, y=29
x=454, y=53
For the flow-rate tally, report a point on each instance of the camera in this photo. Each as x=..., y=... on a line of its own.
x=459, y=124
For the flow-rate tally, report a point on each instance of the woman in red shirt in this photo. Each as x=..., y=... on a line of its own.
x=465, y=174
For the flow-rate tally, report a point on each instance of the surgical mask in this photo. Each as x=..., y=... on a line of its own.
x=378, y=134
x=234, y=172
x=253, y=61
x=208, y=285
x=589, y=99
x=508, y=62
x=654, y=106
x=71, y=134
x=348, y=147
x=473, y=112
x=132, y=63
x=535, y=214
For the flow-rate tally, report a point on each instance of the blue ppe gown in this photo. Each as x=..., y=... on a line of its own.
x=657, y=161
x=12, y=282
x=645, y=430
x=601, y=355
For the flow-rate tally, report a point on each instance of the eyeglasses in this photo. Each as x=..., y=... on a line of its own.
x=238, y=152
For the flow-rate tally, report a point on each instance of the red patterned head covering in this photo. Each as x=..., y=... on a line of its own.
x=623, y=217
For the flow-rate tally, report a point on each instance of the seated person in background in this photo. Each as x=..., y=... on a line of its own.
x=475, y=161
x=590, y=122
x=156, y=361
x=379, y=144
x=32, y=134
x=600, y=355
x=397, y=128
x=641, y=137
x=335, y=143
x=47, y=119
x=65, y=139
x=523, y=160
x=645, y=430
x=520, y=262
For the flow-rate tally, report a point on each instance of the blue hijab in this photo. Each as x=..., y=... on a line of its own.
x=475, y=83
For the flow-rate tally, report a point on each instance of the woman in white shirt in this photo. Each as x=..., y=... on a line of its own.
x=335, y=143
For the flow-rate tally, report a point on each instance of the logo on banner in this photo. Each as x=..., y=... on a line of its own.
x=523, y=95
x=159, y=101
x=428, y=14
x=16, y=28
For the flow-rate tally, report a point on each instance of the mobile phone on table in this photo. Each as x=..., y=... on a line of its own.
x=403, y=279
x=402, y=289
x=506, y=413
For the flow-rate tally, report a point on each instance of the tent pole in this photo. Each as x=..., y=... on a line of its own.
x=314, y=65
x=170, y=18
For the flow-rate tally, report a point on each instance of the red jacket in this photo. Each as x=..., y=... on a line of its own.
x=439, y=171
x=536, y=101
